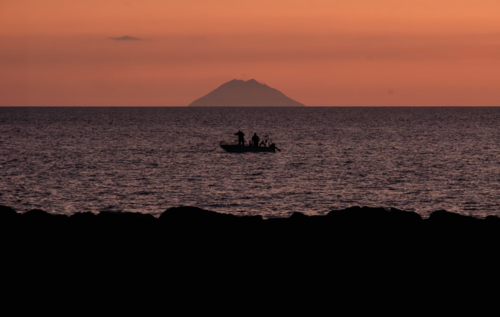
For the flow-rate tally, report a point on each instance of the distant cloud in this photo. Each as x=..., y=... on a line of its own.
x=125, y=38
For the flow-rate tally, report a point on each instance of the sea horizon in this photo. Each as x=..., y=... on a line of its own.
x=77, y=159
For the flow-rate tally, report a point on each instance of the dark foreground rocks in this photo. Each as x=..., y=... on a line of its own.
x=366, y=257
x=190, y=225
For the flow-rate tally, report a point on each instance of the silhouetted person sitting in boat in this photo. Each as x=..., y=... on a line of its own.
x=241, y=137
x=273, y=147
x=255, y=139
x=263, y=143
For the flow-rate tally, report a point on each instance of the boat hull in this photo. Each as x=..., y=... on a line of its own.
x=244, y=148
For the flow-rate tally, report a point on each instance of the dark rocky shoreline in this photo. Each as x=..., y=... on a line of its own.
x=187, y=248
x=193, y=223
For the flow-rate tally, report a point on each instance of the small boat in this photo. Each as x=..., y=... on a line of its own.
x=233, y=148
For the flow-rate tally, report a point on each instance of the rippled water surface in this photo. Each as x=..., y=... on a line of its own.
x=67, y=160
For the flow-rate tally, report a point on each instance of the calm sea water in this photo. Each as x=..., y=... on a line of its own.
x=67, y=160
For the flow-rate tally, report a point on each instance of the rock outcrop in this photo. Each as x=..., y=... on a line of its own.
x=361, y=222
x=357, y=243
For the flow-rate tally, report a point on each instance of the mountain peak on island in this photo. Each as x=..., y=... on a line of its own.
x=240, y=93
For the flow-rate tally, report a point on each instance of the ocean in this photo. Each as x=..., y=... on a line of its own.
x=68, y=160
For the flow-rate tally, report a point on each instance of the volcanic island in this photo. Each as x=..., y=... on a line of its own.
x=250, y=93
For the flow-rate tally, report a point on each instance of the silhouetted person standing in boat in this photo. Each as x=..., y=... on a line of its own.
x=241, y=137
x=255, y=140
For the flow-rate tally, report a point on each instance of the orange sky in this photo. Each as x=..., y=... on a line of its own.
x=318, y=52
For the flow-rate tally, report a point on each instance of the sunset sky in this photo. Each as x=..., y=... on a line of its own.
x=318, y=52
